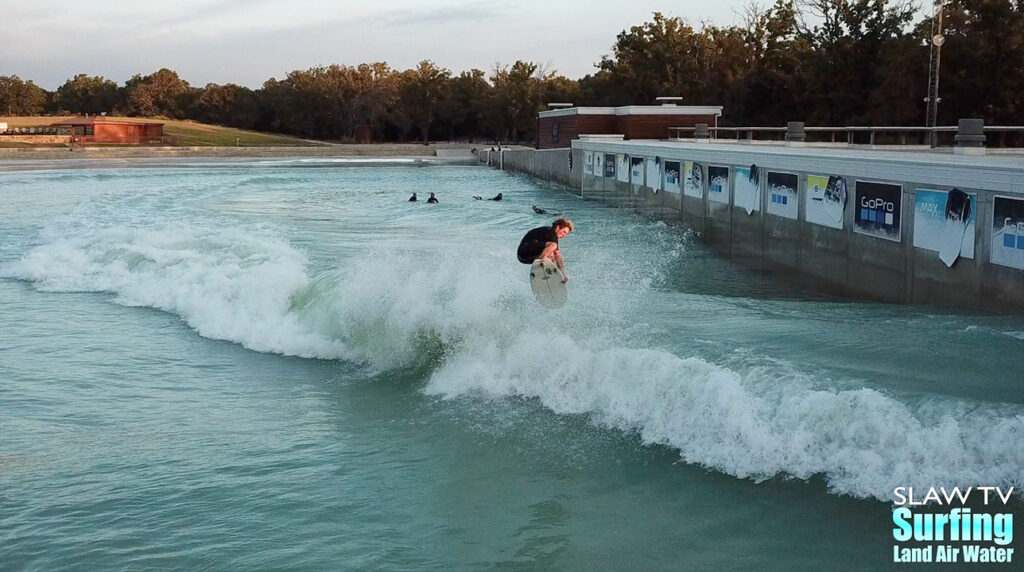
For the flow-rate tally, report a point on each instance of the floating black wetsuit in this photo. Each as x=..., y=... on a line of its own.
x=533, y=243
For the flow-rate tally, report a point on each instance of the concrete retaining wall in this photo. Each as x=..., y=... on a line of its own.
x=845, y=262
x=548, y=164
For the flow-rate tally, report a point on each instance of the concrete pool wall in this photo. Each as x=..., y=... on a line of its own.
x=767, y=207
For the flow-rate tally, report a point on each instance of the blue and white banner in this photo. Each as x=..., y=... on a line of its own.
x=718, y=184
x=879, y=210
x=636, y=171
x=748, y=188
x=782, y=195
x=939, y=225
x=693, y=179
x=672, y=177
x=1008, y=232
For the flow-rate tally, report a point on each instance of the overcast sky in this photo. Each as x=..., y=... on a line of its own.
x=249, y=41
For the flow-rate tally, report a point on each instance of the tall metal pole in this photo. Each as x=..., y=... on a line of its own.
x=935, y=55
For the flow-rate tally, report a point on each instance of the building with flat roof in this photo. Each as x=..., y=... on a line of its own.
x=557, y=127
x=98, y=129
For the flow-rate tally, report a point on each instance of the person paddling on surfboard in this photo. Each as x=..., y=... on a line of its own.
x=542, y=242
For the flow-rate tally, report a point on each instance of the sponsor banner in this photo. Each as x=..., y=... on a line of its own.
x=693, y=179
x=718, y=184
x=878, y=210
x=636, y=170
x=1008, y=232
x=825, y=200
x=782, y=195
x=622, y=168
x=747, y=188
x=672, y=179
x=609, y=165
x=588, y=162
x=652, y=174
x=937, y=221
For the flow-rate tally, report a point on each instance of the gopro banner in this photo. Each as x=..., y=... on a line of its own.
x=588, y=162
x=718, y=184
x=693, y=181
x=671, y=177
x=1008, y=232
x=825, y=200
x=782, y=195
x=748, y=188
x=878, y=210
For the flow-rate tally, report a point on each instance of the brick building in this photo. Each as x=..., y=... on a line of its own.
x=99, y=129
x=557, y=127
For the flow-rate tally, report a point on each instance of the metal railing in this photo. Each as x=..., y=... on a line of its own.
x=860, y=135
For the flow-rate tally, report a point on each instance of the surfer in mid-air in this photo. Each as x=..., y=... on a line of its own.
x=542, y=242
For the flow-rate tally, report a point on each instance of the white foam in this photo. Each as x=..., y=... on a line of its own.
x=225, y=283
x=393, y=308
x=758, y=425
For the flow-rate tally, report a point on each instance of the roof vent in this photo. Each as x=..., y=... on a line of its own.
x=668, y=101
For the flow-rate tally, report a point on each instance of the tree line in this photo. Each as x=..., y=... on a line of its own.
x=825, y=62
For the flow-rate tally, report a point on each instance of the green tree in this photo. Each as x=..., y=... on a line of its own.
x=982, y=72
x=516, y=100
x=848, y=42
x=161, y=93
x=228, y=104
x=18, y=97
x=84, y=94
x=462, y=109
x=421, y=91
x=665, y=56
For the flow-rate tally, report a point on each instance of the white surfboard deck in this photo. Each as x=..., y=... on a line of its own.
x=546, y=283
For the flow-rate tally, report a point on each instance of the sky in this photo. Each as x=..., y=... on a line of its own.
x=247, y=42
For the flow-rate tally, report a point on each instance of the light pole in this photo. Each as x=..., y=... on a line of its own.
x=935, y=54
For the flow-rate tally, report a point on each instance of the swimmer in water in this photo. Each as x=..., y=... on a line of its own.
x=539, y=210
x=432, y=199
x=413, y=198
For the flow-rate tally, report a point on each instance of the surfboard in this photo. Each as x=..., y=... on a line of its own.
x=546, y=283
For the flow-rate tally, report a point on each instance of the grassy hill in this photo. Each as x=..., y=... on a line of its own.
x=182, y=133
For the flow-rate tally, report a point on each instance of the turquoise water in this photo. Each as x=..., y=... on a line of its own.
x=285, y=365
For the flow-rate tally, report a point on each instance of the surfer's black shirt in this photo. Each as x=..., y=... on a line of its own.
x=533, y=243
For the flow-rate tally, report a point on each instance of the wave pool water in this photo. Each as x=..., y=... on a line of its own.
x=336, y=377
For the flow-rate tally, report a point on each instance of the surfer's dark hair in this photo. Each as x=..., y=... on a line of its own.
x=562, y=222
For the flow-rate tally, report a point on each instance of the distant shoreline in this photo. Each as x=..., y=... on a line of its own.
x=21, y=159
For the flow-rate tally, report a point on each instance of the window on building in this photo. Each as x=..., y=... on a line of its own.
x=554, y=132
x=88, y=130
